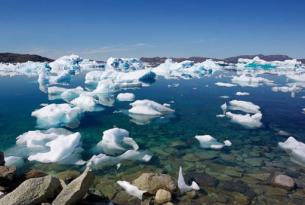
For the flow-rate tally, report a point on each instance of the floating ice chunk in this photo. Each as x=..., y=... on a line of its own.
x=250, y=81
x=255, y=63
x=125, y=64
x=247, y=120
x=224, y=108
x=295, y=149
x=86, y=102
x=183, y=187
x=244, y=106
x=149, y=107
x=66, y=63
x=52, y=145
x=174, y=85
x=228, y=85
x=227, y=143
x=135, y=156
x=303, y=110
x=242, y=93
x=220, y=115
x=113, y=141
x=224, y=97
x=126, y=97
x=131, y=189
x=29, y=68
x=102, y=160
x=106, y=87
x=56, y=115
x=17, y=162
x=297, y=77
x=293, y=89
x=209, y=142
x=66, y=94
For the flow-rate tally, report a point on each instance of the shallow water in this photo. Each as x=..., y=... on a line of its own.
x=171, y=139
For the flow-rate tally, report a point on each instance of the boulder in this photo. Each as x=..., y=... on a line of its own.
x=7, y=174
x=2, y=161
x=152, y=182
x=76, y=190
x=163, y=196
x=68, y=175
x=283, y=181
x=33, y=191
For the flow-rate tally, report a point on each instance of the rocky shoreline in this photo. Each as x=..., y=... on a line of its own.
x=73, y=187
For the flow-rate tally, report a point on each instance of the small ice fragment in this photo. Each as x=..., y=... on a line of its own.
x=131, y=189
x=183, y=187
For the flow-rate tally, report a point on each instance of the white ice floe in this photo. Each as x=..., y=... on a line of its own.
x=66, y=63
x=250, y=81
x=115, y=141
x=149, y=107
x=228, y=85
x=56, y=115
x=285, y=89
x=246, y=120
x=224, y=97
x=17, y=162
x=126, y=97
x=183, y=187
x=295, y=149
x=29, y=68
x=244, y=106
x=242, y=93
x=224, y=108
x=227, y=143
x=209, y=142
x=87, y=103
x=131, y=189
x=52, y=145
x=67, y=94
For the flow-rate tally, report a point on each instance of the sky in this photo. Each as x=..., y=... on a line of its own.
x=99, y=29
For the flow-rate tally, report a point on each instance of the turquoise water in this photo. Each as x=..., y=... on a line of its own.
x=171, y=140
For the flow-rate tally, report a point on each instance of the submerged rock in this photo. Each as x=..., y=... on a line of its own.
x=34, y=174
x=283, y=181
x=163, y=196
x=76, y=190
x=33, y=191
x=152, y=182
x=68, y=175
x=7, y=174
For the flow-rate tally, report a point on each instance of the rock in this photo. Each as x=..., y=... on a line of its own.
x=163, y=196
x=76, y=190
x=2, y=161
x=203, y=179
x=68, y=175
x=7, y=174
x=34, y=174
x=283, y=181
x=239, y=187
x=151, y=182
x=168, y=203
x=33, y=191
x=122, y=198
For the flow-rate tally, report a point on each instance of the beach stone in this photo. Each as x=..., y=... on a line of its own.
x=7, y=174
x=33, y=191
x=34, y=174
x=151, y=182
x=2, y=161
x=283, y=181
x=68, y=175
x=76, y=190
x=163, y=196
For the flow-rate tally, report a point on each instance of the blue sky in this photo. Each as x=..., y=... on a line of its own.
x=133, y=28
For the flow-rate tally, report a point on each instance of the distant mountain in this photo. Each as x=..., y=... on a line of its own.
x=21, y=58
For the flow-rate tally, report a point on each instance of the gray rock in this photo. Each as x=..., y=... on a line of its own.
x=33, y=191
x=163, y=196
x=151, y=182
x=76, y=190
x=283, y=181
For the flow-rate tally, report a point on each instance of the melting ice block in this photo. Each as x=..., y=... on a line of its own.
x=244, y=106
x=242, y=93
x=115, y=140
x=125, y=64
x=250, y=81
x=126, y=97
x=183, y=187
x=52, y=145
x=56, y=115
x=246, y=120
x=209, y=142
x=131, y=189
x=228, y=85
x=17, y=162
x=295, y=149
x=149, y=107
x=86, y=102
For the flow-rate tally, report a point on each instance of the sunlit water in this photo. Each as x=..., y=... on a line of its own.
x=171, y=139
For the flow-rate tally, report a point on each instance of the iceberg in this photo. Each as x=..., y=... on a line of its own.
x=149, y=107
x=250, y=81
x=131, y=189
x=183, y=187
x=242, y=93
x=244, y=106
x=114, y=140
x=57, y=115
x=126, y=97
x=66, y=63
x=86, y=102
x=246, y=120
x=209, y=142
x=228, y=85
x=67, y=94
x=125, y=64
x=52, y=145
x=295, y=149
